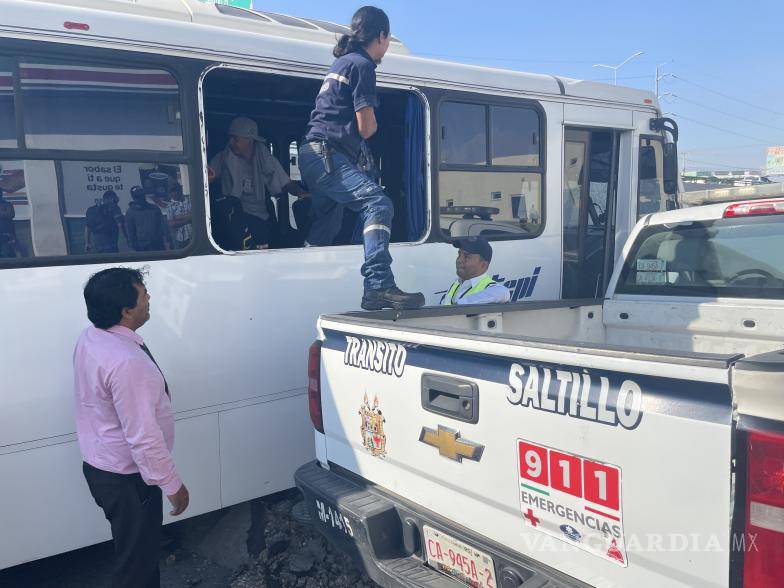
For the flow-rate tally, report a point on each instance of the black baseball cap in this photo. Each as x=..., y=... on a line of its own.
x=137, y=193
x=478, y=245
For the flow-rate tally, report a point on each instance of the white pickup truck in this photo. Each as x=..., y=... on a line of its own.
x=636, y=441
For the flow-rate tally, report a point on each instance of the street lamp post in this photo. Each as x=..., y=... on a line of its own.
x=662, y=76
x=615, y=68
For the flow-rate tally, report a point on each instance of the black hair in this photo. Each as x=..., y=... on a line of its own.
x=108, y=292
x=367, y=24
x=109, y=194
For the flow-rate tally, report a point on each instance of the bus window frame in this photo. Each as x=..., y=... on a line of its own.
x=184, y=72
x=438, y=97
x=641, y=138
x=317, y=75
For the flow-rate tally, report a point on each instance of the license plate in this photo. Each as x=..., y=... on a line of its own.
x=459, y=560
x=331, y=517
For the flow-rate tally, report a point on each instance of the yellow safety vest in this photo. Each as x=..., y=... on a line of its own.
x=483, y=283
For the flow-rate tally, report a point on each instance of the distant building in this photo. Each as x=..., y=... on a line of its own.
x=774, y=165
x=707, y=179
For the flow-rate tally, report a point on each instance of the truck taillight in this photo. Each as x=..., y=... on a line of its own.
x=314, y=386
x=763, y=563
x=754, y=208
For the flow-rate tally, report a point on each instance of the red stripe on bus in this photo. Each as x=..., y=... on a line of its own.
x=76, y=75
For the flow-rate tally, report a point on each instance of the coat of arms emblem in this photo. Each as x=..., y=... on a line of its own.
x=373, y=437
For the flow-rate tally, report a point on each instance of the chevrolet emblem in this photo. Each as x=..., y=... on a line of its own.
x=448, y=444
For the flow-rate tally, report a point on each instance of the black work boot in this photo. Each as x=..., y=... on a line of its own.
x=392, y=297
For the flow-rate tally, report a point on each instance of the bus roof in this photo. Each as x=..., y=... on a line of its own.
x=226, y=16
x=196, y=28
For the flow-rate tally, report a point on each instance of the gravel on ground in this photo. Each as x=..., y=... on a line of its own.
x=256, y=544
x=295, y=555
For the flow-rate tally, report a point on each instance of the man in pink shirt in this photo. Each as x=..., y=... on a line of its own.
x=124, y=424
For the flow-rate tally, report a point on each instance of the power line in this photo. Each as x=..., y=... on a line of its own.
x=766, y=125
x=493, y=58
x=620, y=78
x=728, y=97
x=699, y=122
x=734, y=147
x=725, y=165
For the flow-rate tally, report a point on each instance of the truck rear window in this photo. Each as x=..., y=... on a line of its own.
x=733, y=257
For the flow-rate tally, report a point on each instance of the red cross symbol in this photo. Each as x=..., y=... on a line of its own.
x=531, y=518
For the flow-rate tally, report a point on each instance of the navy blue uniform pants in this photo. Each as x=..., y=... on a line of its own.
x=348, y=186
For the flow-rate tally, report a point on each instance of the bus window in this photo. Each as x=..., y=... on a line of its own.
x=515, y=136
x=468, y=194
x=280, y=106
x=58, y=208
x=490, y=170
x=463, y=133
x=650, y=194
x=7, y=110
x=86, y=107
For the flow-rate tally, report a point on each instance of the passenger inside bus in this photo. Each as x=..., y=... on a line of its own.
x=145, y=224
x=103, y=223
x=9, y=247
x=246, y=170
x=177, y=209
x=280, y=106
x=69, y=195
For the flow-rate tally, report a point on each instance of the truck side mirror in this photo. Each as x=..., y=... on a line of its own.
x=670, y=165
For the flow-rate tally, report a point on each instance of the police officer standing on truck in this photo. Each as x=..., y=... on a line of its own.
x=335, y=161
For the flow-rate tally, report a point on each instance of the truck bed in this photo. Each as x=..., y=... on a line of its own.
x=672, y=331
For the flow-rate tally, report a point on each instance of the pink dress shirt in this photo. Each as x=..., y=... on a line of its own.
x=123, y=416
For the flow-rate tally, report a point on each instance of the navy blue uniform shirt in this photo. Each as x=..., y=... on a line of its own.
x=349, y=86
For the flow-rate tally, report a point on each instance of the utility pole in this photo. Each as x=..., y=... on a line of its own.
x=615, y=68
x=684, y=161
x=660, y=77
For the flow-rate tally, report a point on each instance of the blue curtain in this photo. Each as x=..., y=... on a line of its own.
x=414, y=169
x=413, y=174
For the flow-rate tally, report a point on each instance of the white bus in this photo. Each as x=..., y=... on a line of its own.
x=105, y=95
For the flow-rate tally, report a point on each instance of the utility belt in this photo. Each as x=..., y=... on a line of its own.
x=364, y=160
x=325, y=148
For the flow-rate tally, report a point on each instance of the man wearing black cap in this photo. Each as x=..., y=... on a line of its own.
x=145, y=224
x=474, y=285
x=8, y=244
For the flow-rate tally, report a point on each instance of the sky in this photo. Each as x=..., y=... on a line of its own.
x=726, y=87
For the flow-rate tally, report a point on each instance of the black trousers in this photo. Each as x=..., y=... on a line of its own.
x=135, y=512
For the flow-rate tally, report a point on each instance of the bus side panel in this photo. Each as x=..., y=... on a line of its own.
x=198, y=463
x=46, y=506
x=261, y=446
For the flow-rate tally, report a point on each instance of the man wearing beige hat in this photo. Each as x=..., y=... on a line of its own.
x=248, y=171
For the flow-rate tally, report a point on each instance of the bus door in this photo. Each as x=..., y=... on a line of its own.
x=590, y=186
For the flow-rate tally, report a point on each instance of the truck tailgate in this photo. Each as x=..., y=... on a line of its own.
x=612, y=468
